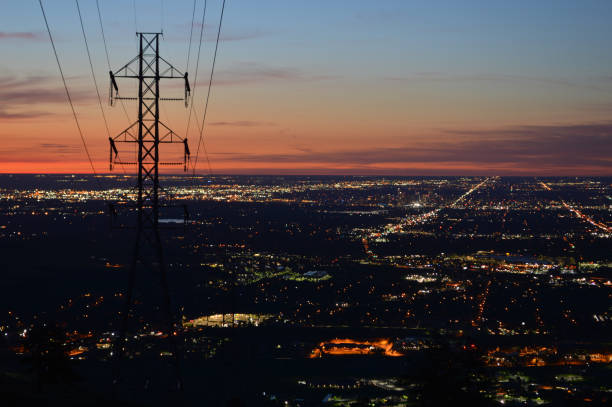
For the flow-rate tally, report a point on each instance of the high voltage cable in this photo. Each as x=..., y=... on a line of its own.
x=195, y=82
x=93, y=75
x=135, y=25
x=190, y=36
x=212, y=72
x=189, y=55
x=135, y=20
x=127, y=116
x=103, y=36
x=161, y=4
x=108, y=57
x=76, y=120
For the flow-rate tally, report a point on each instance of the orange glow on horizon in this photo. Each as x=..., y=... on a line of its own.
x=269, y=168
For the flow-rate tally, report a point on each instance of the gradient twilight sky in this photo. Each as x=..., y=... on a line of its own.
x=404, y=87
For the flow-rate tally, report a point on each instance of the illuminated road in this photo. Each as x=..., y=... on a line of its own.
x=481, y=306
x=424, y=217
x=579, y=214
x=587, y=218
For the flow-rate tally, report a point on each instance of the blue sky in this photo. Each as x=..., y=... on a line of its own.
x=299, y=80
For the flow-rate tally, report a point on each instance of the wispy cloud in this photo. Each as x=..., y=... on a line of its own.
x=239, y=36
x=60, y=148
x=250, y=72
x=242, y=123
x=38, y=153
x=33, y=96
x=522, y=148
x=6, y=115
x=21, y=91
x=587, y=83
x=210, y=33
x=11, y=82
x=35, y=36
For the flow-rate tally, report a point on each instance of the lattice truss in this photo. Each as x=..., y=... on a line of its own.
x=147, y=132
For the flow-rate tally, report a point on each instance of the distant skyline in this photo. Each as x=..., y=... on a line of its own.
x=328, y=87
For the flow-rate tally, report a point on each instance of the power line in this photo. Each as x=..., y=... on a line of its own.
x=212, y=72
x=93, y=75
x=107, y=55
x=135, y=20
x=135, y=25
x=103, y=36
x=190, y=36
x=161, y=3
x=195, y=82
x=127, y=116
x=76, y=120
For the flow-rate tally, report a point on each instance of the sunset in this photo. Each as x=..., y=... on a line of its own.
x=393, y=203
x=401, y=87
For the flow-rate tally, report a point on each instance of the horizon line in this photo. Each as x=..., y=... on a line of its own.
x=106, y=174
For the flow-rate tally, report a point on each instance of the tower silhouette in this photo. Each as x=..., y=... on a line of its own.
x=148, y=133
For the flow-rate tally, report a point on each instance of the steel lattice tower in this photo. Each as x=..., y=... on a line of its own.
x=148, y=132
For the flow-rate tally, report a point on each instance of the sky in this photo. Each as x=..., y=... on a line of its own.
x=386, y=87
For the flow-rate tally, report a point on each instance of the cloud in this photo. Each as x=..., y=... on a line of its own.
x=35, y=36
x=34, y=90
x=499, y=77
x=210, y=34
x=22, y=115
x=60, y=148
x=33, y=96
x=242, y=123
x=10, y=82
x=519, y=149
x=238, y=36
x=604, y=107
x=248, y=72
x=304, y=149
x=38, y=154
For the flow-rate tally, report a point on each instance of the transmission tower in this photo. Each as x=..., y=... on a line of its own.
x=148, y=132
